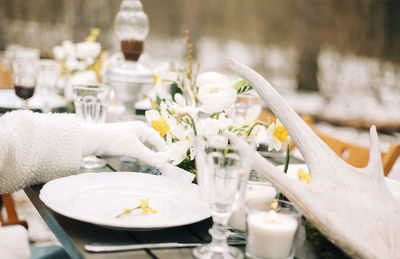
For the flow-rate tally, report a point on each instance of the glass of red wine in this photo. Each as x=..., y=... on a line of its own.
x=24, y=73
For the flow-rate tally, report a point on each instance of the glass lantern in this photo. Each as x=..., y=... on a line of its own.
x=130, y=77
x=132, y=27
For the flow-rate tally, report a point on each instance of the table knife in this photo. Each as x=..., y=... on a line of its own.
x=98, y=247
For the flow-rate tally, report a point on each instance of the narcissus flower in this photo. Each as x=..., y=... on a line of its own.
x=281, y=133
x=304, y=176
x=276, y=135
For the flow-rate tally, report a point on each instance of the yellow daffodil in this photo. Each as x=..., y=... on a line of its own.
x=304, y=176
x=161, y=126
x=158, y=122
x=280, y=132
x=144, y=205
x=276, y=135
x=96, y=67
x=94, y=33
x=155, y=79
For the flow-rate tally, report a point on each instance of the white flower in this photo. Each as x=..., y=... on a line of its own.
x=166, y=124
x=164, y=73
x=82, y=65
x=59, y=52
x=211, y=78
x=152, y=115
x=211, y=126
x=216, y=97
x=72, y=64
x=177, y=151
x=163, y=78
x=252, y=115
x=260, y=135
x=274, y=132
x=88, y=50
x=180, y=100
x=69, y=48
x=83, y=77
x=218, y=141
x=272, y=141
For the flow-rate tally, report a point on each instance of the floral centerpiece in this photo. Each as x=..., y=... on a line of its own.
x=189, y=103
x=81, y=62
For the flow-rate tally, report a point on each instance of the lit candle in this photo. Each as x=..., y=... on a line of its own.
x=270, y=234
x=115, y=110
x=258, y=190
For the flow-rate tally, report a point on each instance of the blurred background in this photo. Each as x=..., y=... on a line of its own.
x=345, y=51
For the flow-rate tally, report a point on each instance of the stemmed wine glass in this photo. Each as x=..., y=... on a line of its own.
x=91, y=102
x=24, y=73
x=222, y=174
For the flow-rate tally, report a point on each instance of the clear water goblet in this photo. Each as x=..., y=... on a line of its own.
x=48, y=74
x=222, y=174
x=91, y=102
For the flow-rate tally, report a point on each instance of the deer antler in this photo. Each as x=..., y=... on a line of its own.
x=352, y=207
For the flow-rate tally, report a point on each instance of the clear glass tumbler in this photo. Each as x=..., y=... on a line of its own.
x=222, y=174
x=91, y=102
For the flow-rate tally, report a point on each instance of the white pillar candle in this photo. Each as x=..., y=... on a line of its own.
x=269, y=235
x=254, y=190
x=115, y=112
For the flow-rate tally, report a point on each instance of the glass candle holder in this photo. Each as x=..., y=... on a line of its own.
x=254, y=190
x=272, y=227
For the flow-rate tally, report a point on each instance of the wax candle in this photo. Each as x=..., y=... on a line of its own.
x=254, y=190
x=270, y=234
x=115, y=110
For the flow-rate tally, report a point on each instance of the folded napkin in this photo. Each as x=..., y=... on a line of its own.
x=14, y=242
x=176, y=173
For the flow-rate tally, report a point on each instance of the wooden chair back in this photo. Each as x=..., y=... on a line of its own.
x=355, y=155
x=12, y=216
x=5, y=77
x=358, y=156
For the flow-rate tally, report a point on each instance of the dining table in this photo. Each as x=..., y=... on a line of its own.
x=74, y=234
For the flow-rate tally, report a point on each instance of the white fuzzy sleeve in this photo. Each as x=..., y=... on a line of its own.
x=37, y=147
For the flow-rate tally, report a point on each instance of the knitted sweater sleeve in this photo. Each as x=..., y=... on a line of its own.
x=36, y=148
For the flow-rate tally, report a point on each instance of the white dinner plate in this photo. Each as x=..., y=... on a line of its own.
x=98, y=197
x=394, y=186
x=9, y=100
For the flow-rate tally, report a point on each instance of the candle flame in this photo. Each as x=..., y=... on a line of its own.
x=272, y=215
x=274, y=205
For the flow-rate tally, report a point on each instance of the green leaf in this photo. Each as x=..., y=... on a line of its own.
x=158, y=100
x=244, y=88
x=287, y=159
x=238, y=84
